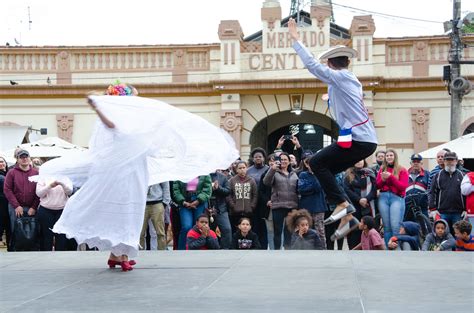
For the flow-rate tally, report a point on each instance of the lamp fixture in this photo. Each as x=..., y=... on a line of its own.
x=296, y=104
x=42, y=131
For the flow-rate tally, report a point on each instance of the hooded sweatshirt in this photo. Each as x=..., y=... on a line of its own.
x=243, y=195
x=446, y=242
x=412, y=235
x=18, y=190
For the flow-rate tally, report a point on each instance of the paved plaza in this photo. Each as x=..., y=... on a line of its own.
x=239, y=281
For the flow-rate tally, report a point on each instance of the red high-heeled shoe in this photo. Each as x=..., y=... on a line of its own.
x=126, y=266
x=113, y=263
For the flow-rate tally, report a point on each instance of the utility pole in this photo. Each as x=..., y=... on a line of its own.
x=454, y=59
x=298, y=13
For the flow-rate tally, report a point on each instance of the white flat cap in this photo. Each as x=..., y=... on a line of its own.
x=338, y=51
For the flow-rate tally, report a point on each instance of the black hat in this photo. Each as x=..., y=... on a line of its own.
x=450, y=156
x=417, y=157
x=22, y=152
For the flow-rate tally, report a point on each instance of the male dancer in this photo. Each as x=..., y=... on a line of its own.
x=357, y=138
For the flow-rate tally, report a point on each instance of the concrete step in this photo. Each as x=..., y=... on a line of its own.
x=239, y=281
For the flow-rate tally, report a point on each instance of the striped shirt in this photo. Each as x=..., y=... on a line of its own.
x=463, y=245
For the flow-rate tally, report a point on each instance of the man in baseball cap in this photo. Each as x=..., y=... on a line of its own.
x=418, y=179
x=19, y=191
x=22, y=153
x=445, y=193
x=416, y=157
x=450, y=156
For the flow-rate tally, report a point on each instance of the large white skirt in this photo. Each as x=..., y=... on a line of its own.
x=153, y=142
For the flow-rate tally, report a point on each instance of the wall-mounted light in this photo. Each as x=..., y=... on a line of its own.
x=42, y=131
x=296, y=104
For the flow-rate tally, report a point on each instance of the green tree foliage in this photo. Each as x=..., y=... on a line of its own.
x=468, y=29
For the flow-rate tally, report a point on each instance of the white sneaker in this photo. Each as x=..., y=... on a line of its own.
x=345, y=230
x=336, y=216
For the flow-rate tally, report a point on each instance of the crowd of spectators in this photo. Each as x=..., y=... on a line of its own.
x=271, y=202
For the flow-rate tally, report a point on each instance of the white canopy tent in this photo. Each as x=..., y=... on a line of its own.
x=463, y=146
x=11, y=136
x=47, y=148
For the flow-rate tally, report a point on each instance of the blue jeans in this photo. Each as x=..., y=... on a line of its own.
x=188, y=219
x=279, y=226
x=451, y=218
x=223, y=222
x=392, y=210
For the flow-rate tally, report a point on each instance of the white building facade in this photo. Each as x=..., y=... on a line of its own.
x=247, y=85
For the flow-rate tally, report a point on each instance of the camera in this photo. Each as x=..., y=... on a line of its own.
x=288, y=137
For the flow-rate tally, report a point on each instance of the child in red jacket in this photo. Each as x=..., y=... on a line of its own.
x=201, y=237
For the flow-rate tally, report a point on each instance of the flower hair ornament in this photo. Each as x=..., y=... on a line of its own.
x=120, y=89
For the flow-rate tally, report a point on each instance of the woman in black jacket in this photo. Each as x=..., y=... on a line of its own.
x=360, y=186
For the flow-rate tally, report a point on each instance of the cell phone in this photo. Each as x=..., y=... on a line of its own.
x=278, y=160
x=288, y=137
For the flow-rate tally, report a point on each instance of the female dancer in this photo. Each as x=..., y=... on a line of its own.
x=137, y=142
x=357, y=138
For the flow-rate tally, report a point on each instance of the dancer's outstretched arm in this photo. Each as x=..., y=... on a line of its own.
x=102, y=117
x=292, y=29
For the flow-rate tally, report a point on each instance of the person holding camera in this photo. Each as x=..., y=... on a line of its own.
x=284, y=197
x=291, y=145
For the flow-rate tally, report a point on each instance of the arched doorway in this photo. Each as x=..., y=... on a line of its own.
x=314, y=130
x=469, y=129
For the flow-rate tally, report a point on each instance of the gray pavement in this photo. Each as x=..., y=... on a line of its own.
x=239, y=281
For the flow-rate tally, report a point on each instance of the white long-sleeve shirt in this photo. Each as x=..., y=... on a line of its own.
x=345, y=96
x=52, y=198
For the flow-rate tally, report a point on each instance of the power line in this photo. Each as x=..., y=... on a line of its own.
x=387, y=15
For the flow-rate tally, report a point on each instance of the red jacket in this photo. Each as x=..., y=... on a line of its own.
x=194, y=240
x=18, y=190
x=469, y=196
x=392, y=184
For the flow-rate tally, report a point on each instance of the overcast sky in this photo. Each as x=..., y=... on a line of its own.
x=134, y=22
